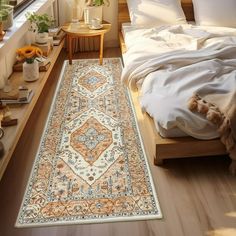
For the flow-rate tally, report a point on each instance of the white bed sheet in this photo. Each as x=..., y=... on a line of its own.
x=189, y=124
x=129, y=37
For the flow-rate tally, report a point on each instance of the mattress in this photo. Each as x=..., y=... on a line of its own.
x=126, y=27
x=170, y=133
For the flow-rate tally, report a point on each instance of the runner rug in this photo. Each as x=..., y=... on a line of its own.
x=90, y=166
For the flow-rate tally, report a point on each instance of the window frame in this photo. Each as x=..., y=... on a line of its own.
x=18, y=8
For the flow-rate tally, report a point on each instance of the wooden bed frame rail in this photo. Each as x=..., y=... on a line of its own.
x=166, y=148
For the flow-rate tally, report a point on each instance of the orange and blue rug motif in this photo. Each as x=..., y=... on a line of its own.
x=91, y=165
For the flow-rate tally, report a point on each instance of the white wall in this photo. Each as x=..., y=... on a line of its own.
x=109, y=14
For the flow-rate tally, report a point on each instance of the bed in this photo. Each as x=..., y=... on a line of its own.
x=167, y=148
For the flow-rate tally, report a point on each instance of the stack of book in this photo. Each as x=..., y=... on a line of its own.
x=58, y=36
x=44, y=63
x=52, y=32
x=16, y=95
x=46, y=47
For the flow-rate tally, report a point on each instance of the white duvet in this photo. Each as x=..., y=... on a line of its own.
x=172, y=63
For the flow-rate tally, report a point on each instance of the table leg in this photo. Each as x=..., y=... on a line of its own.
x=70, y=49
x=67, y=43
x=101, y=48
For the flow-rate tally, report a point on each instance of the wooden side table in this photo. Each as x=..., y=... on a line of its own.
x=76, y=30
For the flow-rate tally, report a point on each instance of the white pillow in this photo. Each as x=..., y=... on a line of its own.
x=215, y=12
x=155, y=12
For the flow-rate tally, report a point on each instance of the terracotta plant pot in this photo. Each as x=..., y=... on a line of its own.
x=2, y=33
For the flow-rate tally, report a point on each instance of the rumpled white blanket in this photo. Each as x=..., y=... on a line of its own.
x=170, y=64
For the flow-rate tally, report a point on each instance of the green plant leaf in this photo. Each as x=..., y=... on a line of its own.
x=5, y=10
x=43, y=22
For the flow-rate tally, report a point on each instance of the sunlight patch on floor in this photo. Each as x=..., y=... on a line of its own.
x=222, y=232
x=231, y=214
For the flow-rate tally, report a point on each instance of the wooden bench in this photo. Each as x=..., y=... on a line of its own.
x=23, y=111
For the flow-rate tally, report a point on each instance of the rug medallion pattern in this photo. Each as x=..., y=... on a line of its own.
x=90, y=165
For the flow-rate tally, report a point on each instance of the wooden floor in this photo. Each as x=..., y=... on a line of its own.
x=197, y=196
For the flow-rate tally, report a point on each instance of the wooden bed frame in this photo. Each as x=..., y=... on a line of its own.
x=167, y=148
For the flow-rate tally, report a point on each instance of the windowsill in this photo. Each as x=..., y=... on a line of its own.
x=20, y=22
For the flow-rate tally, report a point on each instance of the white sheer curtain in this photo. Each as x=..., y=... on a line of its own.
x=69, y=9
x=76, y=8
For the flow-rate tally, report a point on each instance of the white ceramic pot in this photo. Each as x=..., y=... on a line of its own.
x=41, y=38
x=91, y=13
x=30, y=71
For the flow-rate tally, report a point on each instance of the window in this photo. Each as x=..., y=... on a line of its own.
x=20, y=5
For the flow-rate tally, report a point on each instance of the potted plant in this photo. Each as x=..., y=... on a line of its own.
x=6, y=14
x=27, y=55
x=94, y=9
x=5, y=5
x=41, y=24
